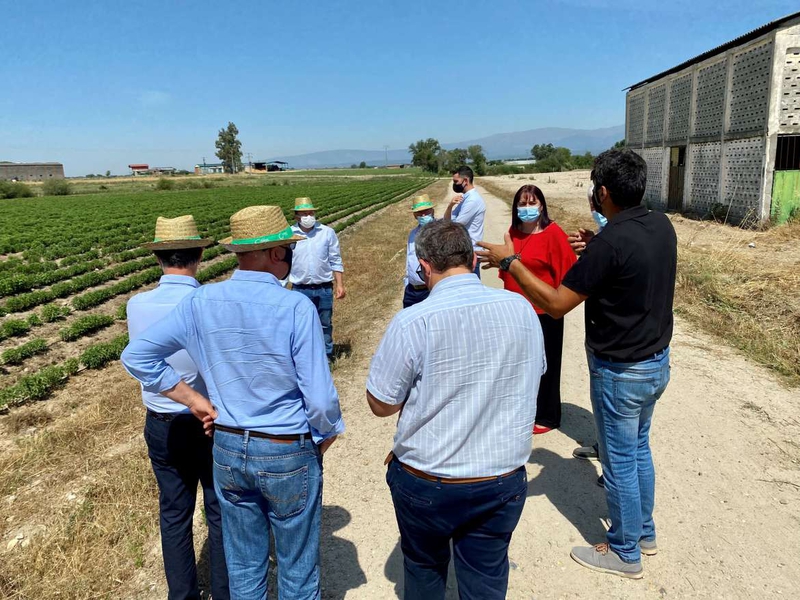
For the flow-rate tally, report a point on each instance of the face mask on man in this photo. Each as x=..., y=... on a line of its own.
x=308, y=221
x=599, y=219
x=424, y=220
x=458, y=188
x=528, y=214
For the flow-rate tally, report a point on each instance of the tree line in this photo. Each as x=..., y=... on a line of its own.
x=430, y=156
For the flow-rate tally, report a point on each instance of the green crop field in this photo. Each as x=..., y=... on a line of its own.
x=68, y=264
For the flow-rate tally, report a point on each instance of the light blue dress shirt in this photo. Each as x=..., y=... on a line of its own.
x=470, y=212
x=260, y=350
x=467, y=363
x=412, y=263
x=147, y=308
x=315, y=258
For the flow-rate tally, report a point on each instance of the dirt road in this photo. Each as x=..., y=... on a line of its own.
x=728, y=486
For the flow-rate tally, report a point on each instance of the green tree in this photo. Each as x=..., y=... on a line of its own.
x=619, y=144
x=229, y=148
x=108, y=173
x=425, y=154
x=362, y=165
x=477, y=158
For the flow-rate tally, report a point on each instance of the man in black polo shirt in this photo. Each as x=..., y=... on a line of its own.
x=626, y=275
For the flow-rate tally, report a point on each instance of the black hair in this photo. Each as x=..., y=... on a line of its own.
x=444, y=244
x=624, y=174
x=179, y=259
x=465, y=171
x=529, y=190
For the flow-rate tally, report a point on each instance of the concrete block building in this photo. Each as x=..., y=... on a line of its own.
x=721, y=132
x=11, y=171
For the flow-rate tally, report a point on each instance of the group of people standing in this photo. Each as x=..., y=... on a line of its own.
x=470, y=372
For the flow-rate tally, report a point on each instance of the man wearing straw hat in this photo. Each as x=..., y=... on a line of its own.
x=179, y=451
x=416, y=290
x=317, y=269
x=275, y=411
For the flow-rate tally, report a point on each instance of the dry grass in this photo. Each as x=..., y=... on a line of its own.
x=748, y=297
x=81, y=490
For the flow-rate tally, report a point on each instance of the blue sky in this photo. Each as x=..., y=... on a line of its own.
x=101, y=84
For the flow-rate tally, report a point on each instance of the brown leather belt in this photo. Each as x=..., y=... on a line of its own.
x=447, y=480
x=273, y=437
x=419, y=288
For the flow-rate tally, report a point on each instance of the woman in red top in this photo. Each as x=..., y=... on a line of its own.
x=545, y=251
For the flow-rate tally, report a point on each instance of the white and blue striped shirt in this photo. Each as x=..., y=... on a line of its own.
x=467, y=363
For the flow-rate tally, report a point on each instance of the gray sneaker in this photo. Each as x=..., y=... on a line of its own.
x=648, y=547
x=586, y=453
x=601, y=558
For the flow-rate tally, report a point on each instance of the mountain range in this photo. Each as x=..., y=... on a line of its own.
x=499, y=146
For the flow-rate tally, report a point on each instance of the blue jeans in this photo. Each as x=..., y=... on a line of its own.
x=323, y=301
x=263, y=485
x=623, y=398
x=479, y=518
x=181, y=457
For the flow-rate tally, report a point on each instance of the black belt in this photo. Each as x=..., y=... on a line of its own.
x=312, y=286
x=419, y=288
x=166, y=417
x=258, y=434
x=611, y=359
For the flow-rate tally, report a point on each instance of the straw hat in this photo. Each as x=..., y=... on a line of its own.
x=259, y=228
x=421, y=202
x=177, y=234
x=303, y=204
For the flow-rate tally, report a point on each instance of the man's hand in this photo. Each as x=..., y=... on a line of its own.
x=457, y=199
x=579, y=239
x=202, y=408
x=494, y=253
x=339, y=292
x=323, y=447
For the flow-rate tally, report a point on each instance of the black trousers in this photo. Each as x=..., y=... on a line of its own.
x=412, y=296
x=181, y=457
x=548, y=402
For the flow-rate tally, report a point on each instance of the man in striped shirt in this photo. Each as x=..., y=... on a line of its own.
x=463, y=370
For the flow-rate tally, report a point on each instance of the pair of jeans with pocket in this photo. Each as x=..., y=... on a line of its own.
x=323, y=302
x=623, y=397
x=264, y=486
x=478, y=518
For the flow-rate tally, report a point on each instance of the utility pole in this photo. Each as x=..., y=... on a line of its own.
x=250, y=161
x=386, y=155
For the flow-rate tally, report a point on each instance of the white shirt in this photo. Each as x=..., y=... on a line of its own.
x=315, y=258
x=470, y=212
x=412, y=262
x=467, y=363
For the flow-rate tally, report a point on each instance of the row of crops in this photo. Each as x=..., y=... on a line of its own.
x=63, y=257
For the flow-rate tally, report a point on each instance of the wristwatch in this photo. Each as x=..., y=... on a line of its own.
x=506, y=262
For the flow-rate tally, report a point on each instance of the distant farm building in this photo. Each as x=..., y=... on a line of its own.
x=207, y=169
x=261, y=166
x=143, y=169
x=721, y=132
x=31, y=171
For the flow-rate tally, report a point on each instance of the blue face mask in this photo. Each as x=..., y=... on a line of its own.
x=528, y=214
x=599, y=219
x=424, y=220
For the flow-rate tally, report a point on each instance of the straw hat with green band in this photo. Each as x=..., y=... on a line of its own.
x=259, y=228
x=177, y=234
x=421, y=202
x=303, y=204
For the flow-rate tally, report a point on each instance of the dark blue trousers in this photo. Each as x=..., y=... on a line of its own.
x=478, y=518
x=181, y=457
x=412, y=296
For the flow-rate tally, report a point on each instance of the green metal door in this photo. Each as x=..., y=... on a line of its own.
x=785, y=196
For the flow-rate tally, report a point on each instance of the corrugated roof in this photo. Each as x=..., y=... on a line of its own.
x=742, y=39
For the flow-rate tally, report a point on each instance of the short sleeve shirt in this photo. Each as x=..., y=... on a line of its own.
x=628, y=273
